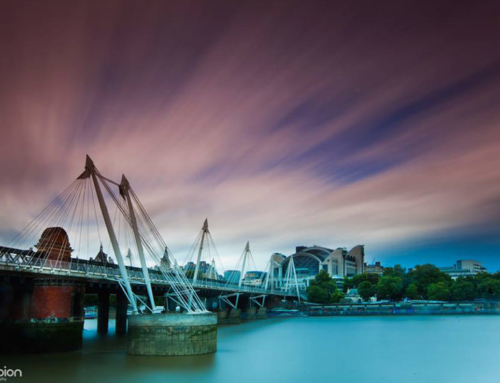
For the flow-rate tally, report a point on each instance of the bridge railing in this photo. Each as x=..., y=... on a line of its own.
x=83, y=269
x=222, y=285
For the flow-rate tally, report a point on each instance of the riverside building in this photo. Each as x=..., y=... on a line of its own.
x=464, y=268
x=308, y=262
x=374, y=268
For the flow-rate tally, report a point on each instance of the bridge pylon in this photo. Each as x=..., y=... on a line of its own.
x=91, y=171
x=57, y=276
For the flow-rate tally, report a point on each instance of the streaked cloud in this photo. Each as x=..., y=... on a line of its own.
x=284, y=123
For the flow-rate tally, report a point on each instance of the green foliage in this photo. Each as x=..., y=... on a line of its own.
x=324, y=280
x=438, y=291
x=389, y=287
x=396, y=271
x=323, y=289
x=494, y=276
x=463, y=290
x=360, y=278
x=316, y=294
x=489, y=289
x=348, y=284
x=425, y=282
x=411, y=292
x=356, y=280
x=425, y=275
x=336, y=296
x=478, y=279
x=366, y=290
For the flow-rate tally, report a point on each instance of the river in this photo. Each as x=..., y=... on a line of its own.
x=301, y=349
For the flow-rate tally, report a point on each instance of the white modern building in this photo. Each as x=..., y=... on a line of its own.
x=464, y=268
x=308, y=261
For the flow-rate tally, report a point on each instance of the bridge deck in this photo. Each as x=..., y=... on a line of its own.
x=88, y=271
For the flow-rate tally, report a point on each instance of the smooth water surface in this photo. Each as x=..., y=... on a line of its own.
x=338, y=349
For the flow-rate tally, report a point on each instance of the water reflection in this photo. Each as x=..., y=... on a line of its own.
x=354, y=349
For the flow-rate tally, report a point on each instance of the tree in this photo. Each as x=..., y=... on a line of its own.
x=366, y=290
x=396, y=271
x=322, y=288
x=356, y=280
x=494, y=275
x=462, y=290
x=316, y=294
x=389, y=288
x=411, y=292
x=489, y=289
x=365, y=277
x=348, y=284
x=336, y=296
x=477, y=280
x=425, y=275
x=323, y=280
x=438, y=291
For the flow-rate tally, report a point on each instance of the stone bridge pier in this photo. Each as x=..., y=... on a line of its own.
x=41, y=315
x=246, y=309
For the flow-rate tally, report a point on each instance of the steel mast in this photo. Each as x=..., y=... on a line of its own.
x=91, y=171
x=125, y=191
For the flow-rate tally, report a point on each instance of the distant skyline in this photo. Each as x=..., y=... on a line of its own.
x=285, y=123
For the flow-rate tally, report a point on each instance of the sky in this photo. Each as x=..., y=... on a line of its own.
x=285, y=123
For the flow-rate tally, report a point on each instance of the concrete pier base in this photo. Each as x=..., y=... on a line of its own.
x=172, y=334
x=262, y=313
x=233, y=317
x=251, y=313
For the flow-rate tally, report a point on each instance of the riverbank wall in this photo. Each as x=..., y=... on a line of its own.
x=429, y=308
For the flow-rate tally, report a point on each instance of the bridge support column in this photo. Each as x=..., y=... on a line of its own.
x=262, y=313
x=121, y=313
x=170, y=304
x=251, y=313
x=233, y=316
x=172, y=334
x=103, y=313
x=222, y=316
x=212, y=304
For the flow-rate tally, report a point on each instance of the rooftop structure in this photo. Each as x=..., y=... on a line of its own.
x=464, y=268
x=254, y=278
x=374, y=268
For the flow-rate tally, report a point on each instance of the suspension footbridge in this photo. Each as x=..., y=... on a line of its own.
x=53, y=256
